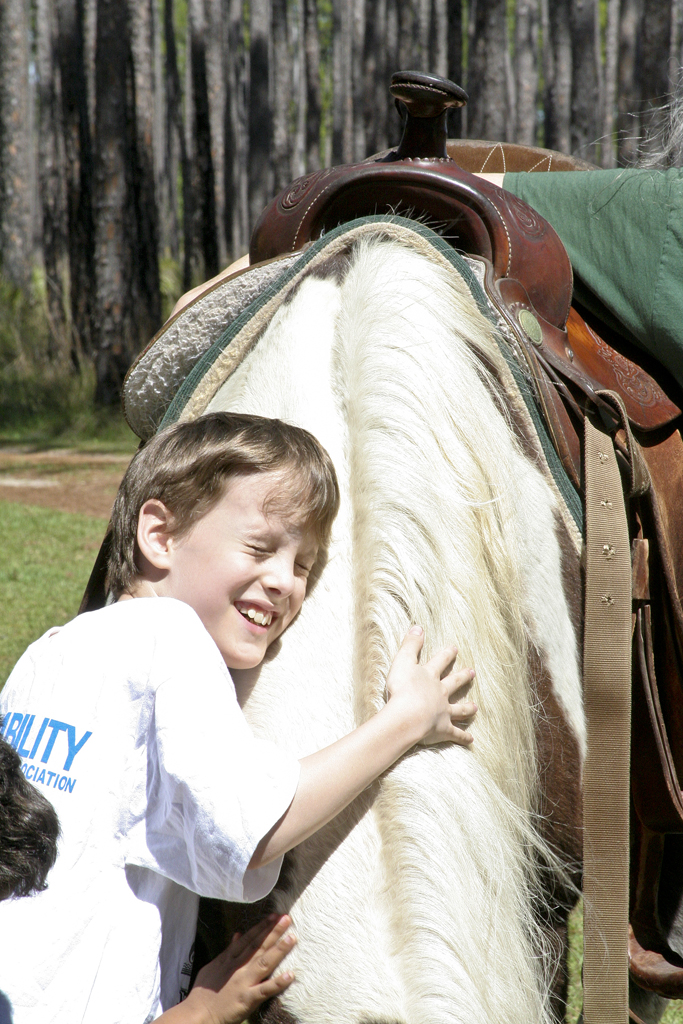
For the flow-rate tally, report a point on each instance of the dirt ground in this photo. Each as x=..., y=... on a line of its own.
x=62, y=479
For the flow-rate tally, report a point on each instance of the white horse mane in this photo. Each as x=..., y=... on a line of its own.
x=417, y=905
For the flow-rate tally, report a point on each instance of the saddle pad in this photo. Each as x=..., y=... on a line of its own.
x=161, y=368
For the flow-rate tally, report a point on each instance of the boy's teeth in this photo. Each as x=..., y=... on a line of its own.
x=261, y=618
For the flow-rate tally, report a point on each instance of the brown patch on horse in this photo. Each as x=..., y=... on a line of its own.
x=273, y=1012
x=218, y=921
x=559, y=809
x=560, y=805
x=334, y=269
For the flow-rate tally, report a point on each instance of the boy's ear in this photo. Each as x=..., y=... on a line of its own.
x=154, y=534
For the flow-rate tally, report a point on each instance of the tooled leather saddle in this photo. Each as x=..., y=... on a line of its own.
x=570, y=358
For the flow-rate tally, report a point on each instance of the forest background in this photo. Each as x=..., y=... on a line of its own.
x=140, y=139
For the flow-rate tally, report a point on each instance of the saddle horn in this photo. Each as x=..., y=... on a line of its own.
x=419, y=180
x=425, y=100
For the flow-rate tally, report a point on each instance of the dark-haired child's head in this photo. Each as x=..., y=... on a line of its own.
x=29, y=830
x=227, y=513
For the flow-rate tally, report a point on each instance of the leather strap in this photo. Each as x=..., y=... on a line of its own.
x=607, y=692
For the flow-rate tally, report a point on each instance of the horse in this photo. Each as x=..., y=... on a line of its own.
x=442, y=894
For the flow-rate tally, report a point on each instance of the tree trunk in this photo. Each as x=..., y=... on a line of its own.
x=173, y=141
x=629, y=81
x=260, y=115
x=358, y=80
x=216, y=100
x=237, y=129
x=454, y=65
x=175, y=125
x=558, y=75
x=52, y=178
x=296, y=40
x=607, y=148
x=76, y=125
x=166, y=155
x=376, y=84
x=408, y=27
x=423, y=35
x=145, y=238
x=393, y=63
x=585, y=119
x=126, y=265
x=438, y=38
x=113, y=325
x=16, y=241
x=282, y=95
x=313, y=93
x=675, y=82
x=204, y=183
x=486, y=78
x=654, y=70
x=526, y=71
x=342, y=94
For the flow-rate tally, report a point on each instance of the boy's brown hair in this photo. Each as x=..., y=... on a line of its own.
x=187, y=466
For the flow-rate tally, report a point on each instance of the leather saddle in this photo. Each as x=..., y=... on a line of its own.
x=569, y=357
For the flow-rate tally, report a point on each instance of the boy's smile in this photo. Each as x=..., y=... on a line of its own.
x=243, y=572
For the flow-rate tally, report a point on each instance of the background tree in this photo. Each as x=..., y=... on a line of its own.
x=140, y=139
x=586, y=91
x=557, y=67
x=487, y=84
x=52, y=175
x=16, y=144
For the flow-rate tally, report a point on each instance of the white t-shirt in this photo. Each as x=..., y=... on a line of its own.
x=127, y=720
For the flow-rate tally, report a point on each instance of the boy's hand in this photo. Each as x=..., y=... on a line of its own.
x=425, y=692
x=229, y=988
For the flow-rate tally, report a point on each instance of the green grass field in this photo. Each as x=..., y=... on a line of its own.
x=46, y=560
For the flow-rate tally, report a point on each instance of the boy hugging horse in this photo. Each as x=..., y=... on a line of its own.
x=216, y=527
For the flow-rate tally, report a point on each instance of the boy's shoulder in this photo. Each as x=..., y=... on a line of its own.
x=132, y=633
x=144, y=616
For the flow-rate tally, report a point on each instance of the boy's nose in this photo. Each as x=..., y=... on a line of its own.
x=280, y=577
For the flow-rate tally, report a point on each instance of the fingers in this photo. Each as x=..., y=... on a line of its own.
x=412, y=644
x=262, y=935
x=267, y=947
x=242, y=944
x=459, y=682
x=463, y=713
x=461, y=717
x=274, y=986
x=262, y=964
x=442, y=660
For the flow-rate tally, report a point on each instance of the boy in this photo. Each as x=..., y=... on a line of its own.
x=129, y=716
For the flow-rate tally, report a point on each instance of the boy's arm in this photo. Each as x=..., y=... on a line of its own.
x=418, y=711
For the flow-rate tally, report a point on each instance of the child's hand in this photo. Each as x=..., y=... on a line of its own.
x=229, y=988
x=425, y=692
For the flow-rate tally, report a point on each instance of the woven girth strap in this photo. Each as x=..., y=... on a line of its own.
x=607, y=688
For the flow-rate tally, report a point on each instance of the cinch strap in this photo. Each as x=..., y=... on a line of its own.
x=607, y=695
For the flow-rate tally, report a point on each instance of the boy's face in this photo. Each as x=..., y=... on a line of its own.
x=243, y=573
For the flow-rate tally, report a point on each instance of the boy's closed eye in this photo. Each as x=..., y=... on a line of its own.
x=260, y=552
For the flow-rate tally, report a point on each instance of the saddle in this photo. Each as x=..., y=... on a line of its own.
x=575, y=365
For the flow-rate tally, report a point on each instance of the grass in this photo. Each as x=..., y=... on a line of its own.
x=46, y=561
